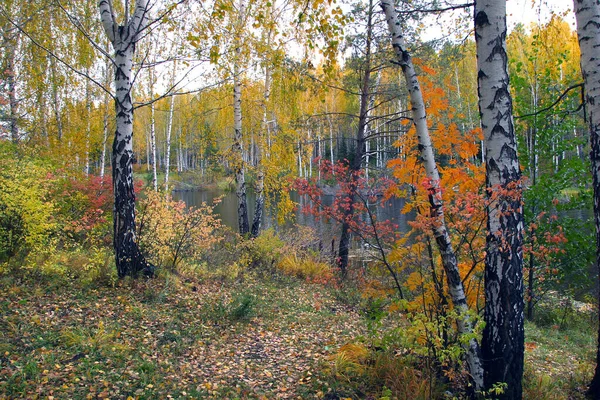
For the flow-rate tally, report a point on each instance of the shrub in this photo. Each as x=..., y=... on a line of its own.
x=170, y=232
x=358, y=370
x=265, y=250
x=305, y=267
x=84, y=208
x=26, y=208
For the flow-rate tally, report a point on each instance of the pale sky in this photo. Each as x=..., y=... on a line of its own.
x=524, y=11
x=528, y=11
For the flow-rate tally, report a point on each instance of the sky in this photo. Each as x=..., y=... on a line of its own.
x=528, y=11
x=518, y=11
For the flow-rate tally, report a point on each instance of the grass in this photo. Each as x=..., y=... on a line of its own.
x=277, y=337
x=214, y=340
x=560, y=349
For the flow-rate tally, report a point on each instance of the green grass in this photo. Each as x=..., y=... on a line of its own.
x=275, y=337
x=238, y=340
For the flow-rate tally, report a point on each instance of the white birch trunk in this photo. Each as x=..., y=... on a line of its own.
x=105, y=120
x=168, y=140
x=88, y=128
x=503, y=336
x=587, y=13
x=153, y=132
x=449, y=261
x=260, y=171
x=129, y=260
x=238, y=150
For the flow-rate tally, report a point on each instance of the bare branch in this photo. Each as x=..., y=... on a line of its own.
x=567, y=90
x=437, y=10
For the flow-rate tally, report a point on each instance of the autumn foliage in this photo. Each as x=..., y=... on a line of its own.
x=171, y=232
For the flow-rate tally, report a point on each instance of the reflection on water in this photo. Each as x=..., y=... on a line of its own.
x=326, y=230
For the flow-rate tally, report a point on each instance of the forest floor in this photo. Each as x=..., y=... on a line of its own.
x=168, y=338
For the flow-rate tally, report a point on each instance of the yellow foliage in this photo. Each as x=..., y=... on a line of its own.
x=170, y=231
x=304, y=267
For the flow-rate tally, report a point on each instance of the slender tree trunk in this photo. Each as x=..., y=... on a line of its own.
x=105, y=120
x=104, y=140
x=88, y=128
x=168, y=143
x=10, y=75
x=55, y=100
x=503, y=336
x=129, y=259
x=238, y=150
x=442, y=237
x=260, y=172
x=356, y=163
x=587, y=13
x=153, y=132
x=153, y=147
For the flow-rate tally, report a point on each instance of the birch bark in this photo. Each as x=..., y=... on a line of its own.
x=503, y=336
x=153, y=132
x=238, y=150
x=442, y=237
x=260, y=171
x=105, y=120
x=587, y=13
x=129, y=259
x=168, y=134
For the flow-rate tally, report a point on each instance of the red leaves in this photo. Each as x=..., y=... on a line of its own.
x=352, y=193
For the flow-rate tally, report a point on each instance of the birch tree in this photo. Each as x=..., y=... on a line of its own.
x=239, y=167
x=129, y=259
x=10, y=37
x=587, y=13
x=503, y=337
x=442, y=237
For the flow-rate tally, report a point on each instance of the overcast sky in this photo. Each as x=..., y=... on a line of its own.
x=518, y=11
x=528, y=11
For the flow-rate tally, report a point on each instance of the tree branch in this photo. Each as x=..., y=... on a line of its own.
x=51, y=54
x=567, y=90
x=107, y=16
x=438, y=10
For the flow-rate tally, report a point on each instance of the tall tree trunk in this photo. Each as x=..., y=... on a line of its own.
x=356, y=163
x=260, y=171
x=153, y=132
x=55, y=99
x=129, y=259
x=168, y=141
x=587, y=13
x=238, y=150
x=153, y=147
x=10, y=44
x=503, y=337
x=107, y=78
x=442, y=237
x=88, y=128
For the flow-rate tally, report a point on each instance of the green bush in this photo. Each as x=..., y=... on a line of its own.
x=27, y=211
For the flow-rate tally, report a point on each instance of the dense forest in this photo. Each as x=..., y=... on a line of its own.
x=381, y=215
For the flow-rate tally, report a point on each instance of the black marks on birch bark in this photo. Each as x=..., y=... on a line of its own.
x=481, y=19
